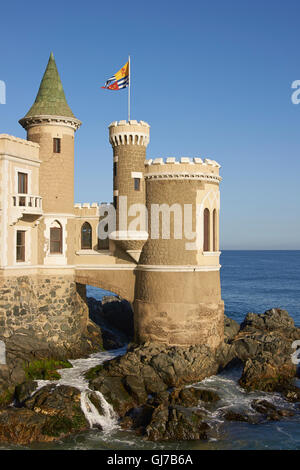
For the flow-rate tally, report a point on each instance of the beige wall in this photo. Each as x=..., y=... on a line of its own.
x=57, y=169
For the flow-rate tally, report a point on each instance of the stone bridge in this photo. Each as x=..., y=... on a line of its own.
x=120, y=279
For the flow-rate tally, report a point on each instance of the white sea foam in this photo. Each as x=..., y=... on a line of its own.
x=74, y=377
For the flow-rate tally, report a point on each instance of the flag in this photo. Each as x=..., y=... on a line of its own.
x=119, y=80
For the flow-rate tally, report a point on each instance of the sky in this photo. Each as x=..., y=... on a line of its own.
x=212, y=78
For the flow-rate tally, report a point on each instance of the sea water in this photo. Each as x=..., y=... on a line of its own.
x=252, y=281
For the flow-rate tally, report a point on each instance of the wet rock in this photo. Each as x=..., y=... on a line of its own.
x=60, y=401
x=238, y=416
x=135, y=387
x=112, y=311
x=114, y=392
x=176, y=424
x=51, y=413
x=263, y=406
x=190, y=397
x=231, y=328
x=22, y=426
x=24, y=390
x=273, y=319
x=267, y=372
x=264, y=346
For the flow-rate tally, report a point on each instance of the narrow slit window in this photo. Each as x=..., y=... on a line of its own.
x=137, y=184
x=20, y=246
x=115, y=169
x=206, y=244
x=115, y=202
x=56, y=145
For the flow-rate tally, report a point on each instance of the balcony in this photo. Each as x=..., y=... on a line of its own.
x=27, y=204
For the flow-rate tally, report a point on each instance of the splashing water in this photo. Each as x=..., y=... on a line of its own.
x=74, y=377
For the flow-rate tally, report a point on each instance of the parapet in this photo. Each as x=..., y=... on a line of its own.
x=16, y=147
x=129, y=133
x=184, y=168
x=86, y=209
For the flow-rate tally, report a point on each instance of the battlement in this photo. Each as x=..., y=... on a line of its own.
x=16, y=147
x=129, y=133
x=184, y=168
x=89, y=210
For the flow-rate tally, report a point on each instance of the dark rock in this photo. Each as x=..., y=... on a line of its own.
x=263, y=406
x=22, y=426
x=62, y=401
x=267, y=372
x=112, y=311
x=231, y=328
x=176, y=424
x=24, y=390
x=237, y=416
x=135, y=387
x=190, y=397
x=113, y=390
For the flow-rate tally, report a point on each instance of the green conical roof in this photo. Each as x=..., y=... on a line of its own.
x=51, y=98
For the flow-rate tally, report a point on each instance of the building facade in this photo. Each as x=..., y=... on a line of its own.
x=161, y=252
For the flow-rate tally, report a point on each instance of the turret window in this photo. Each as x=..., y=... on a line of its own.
x=56, y=238
x=215, y=241
x=86, y=236
x=206, y=227
x=56, y=145
x=115, y=169
x=137, y=184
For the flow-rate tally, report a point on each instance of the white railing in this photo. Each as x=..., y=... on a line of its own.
x=27, y=202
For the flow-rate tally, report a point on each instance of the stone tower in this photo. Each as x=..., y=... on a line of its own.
x=51, y=123
x=178, y=295
x=129, y=141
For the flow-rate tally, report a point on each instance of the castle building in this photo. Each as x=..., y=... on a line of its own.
x=166, y=264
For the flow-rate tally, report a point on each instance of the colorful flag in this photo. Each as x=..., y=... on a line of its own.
x=119, y=80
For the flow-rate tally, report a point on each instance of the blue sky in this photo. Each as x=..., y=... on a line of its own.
x=212, y=78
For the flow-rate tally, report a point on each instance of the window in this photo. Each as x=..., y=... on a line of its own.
x=22, y=183
x=56, y=238
x=206, y=244
x=115, y=201
x=115, y=168
x=215, y=230
x=56, y=145
x=20, y=245
x=86, y=236
x=137, y=184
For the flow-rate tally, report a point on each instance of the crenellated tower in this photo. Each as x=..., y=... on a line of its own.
x=129, y=141
x=178, y=294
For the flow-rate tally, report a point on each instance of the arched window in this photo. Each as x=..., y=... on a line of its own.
x=86, y=236
x=206, y=244
x=215, y=240
x=56, y=237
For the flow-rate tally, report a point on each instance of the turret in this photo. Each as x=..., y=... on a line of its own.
x=129, y=141
x=178, y=294
x=51, y=123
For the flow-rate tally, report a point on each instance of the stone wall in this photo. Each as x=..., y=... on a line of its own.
x=51, y=310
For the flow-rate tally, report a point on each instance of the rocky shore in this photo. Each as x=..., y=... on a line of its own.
x=154, y=388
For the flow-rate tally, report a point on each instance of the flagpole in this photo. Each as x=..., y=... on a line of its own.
x=129, y=80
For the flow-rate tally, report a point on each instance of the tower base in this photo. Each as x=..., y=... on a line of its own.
x=179, y=308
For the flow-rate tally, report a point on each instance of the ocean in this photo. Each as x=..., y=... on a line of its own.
x=252, y=281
